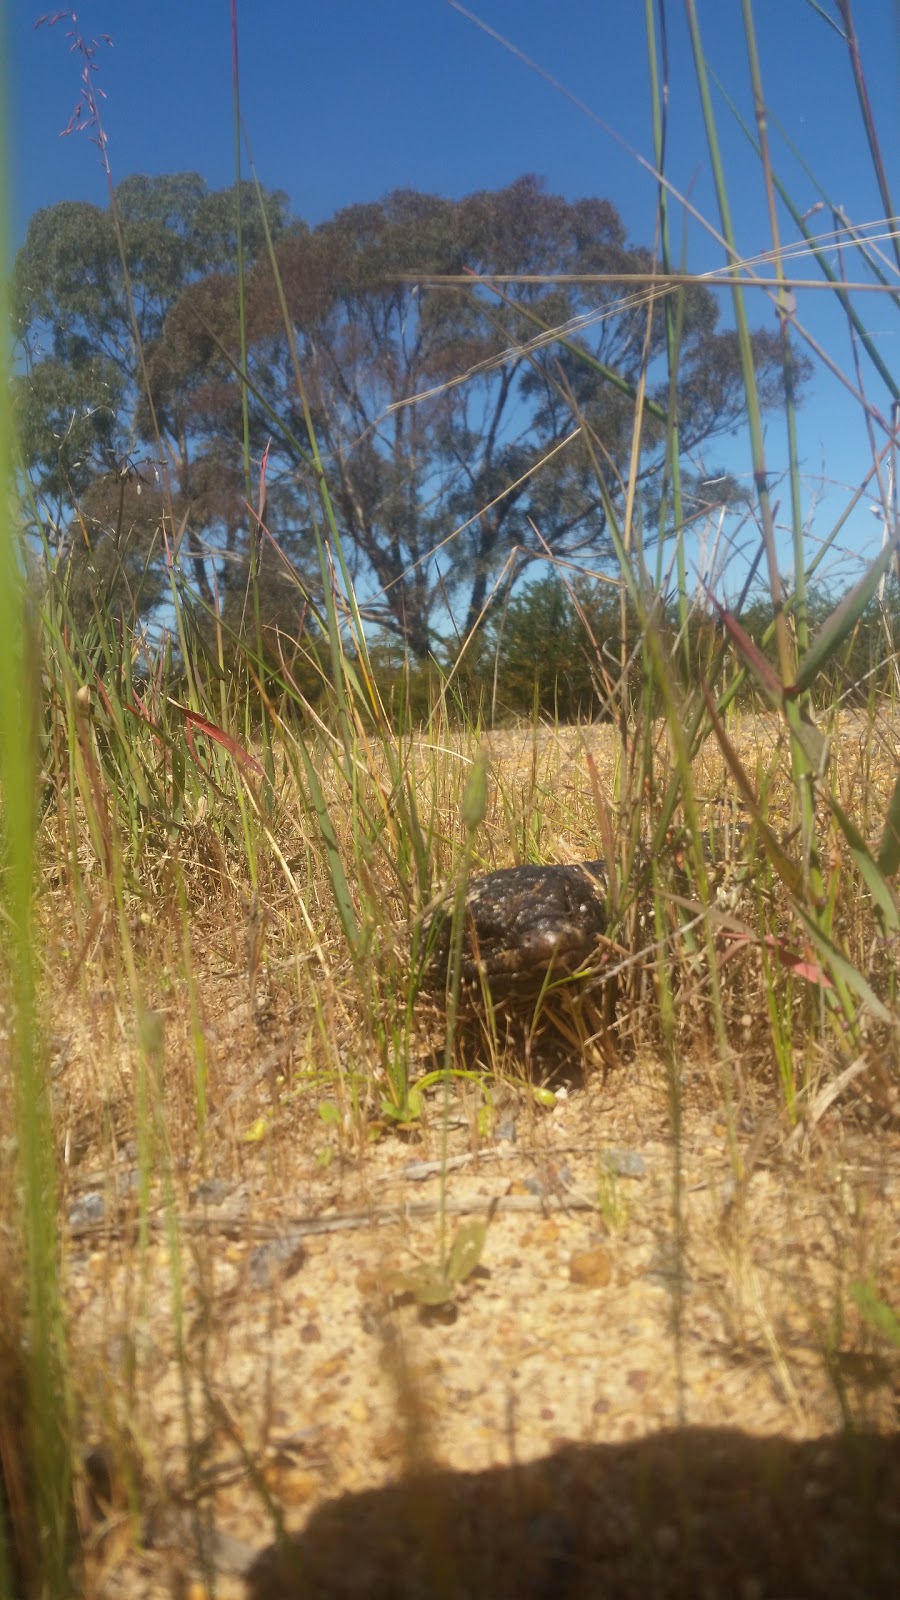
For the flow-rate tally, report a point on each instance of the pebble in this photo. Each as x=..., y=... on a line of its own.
x=276, y=1260
x=88, y=1208
x=624, y=1163
x=212, y=1192
x=590, y=1268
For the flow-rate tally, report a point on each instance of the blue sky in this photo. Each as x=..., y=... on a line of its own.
x=348, y=99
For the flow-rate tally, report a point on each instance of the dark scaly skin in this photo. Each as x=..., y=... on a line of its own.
x=522, y=922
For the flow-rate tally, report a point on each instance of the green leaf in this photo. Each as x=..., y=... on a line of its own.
x=432, y=1079
x=475, y=798
x=872, y=877
x=889, y=854
x=811, y=739
x=339, y=885
x=426, y=1283
x=434, y=1285
x=543, y=1097
x=877, y=1313
x=466, y=1250
x=409, y=1111
x=484, y=1121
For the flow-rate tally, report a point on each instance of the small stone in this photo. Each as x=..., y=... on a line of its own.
x=211, y=1192
x=592, y=1269
x=294, y=1484
x=545, y=1232
x=90, y=1208
x=666, y=1271
x=624, y=1163
x=281, y=1258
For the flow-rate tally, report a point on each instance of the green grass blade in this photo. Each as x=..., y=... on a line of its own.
x=338, y=877
x=877, y=1313
x=40, y=1345
x=843, y=619
x=868, y=119
x=889, y=852
x=869, y=870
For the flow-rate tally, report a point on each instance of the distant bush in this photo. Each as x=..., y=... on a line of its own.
x=559, y=649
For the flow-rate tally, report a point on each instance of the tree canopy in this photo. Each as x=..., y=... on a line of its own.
x=453, y=418
x=86, y=427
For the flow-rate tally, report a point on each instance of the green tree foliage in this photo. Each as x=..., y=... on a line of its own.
x=444, y=411
x=866, y=666
x=557, y=646
x=84, y=423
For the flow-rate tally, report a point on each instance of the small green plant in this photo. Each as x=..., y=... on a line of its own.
x=614, y=1208
x=438, y=1283
x=271, y=799
x=329, y=1115
x=876, y=1312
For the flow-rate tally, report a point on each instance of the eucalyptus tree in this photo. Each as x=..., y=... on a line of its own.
x=460, y=422
x=94, y=448
x=463, y=376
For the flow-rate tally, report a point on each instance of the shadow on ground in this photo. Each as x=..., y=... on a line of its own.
x=693, y=1512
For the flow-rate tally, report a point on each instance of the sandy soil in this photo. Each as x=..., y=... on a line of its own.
x=612, y=1402
x=584, y=1324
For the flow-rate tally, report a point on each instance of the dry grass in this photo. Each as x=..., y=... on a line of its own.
x=668, y=1363
x=235, y=1200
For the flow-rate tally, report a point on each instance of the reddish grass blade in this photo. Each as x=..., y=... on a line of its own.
x=241, y=756
x=800, y=966
x=750, y=653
